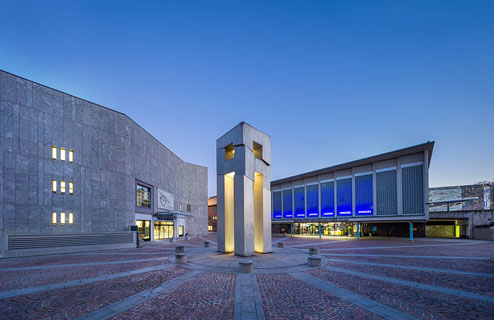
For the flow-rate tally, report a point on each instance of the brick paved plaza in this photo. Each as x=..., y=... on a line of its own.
x=370, y=278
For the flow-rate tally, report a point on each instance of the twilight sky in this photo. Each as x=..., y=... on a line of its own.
x=330, y=81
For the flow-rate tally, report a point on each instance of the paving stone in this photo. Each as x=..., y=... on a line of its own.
x=370, y=288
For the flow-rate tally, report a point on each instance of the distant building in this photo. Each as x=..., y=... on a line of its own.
x=452, y=217
x=483, y=191
x=212, y=214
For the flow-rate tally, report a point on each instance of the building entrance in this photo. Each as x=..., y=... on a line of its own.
x=143, y=229
x=163, y=230
x=327, y=229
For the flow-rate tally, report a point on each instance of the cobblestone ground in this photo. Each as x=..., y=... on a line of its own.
x=73, y=302
x=10, y=280
x=486, y=266
x=285, y=297
x=483, y=285
x=415, y=302
x=208, y=294
x=78, y=258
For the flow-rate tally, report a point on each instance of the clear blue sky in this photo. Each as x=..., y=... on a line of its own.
x=330, y=81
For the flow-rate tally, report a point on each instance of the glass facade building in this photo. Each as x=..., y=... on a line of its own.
x=390, y=188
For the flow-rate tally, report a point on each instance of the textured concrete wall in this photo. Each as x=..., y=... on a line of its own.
x=110, y=152
x=475, y=218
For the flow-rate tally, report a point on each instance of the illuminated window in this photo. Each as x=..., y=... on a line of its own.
x=143, y=196
x=53, y=152
x=62, y=218
x=312, y=200
x=62, y=154
x=71, y=218
x=54, y=218
x=287, y=204
x=299, y=201
x=71, y=187
x=257, y=150
x=210, y=228
x=71, y=155
x=229, y=152
x=62, y=186
x=54, y=185
x=276, y=205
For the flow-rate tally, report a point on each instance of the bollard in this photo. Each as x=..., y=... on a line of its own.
x=314, y=251
x=246, y=266
x=207, y=244
x=281, y=244
x=179, y=249
x=314, y=261
x=180, y=258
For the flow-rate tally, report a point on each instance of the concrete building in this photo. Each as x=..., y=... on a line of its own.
x=213, y=214
x=380, y=195
x=464, y=211
x=243, y=168
x=75, y=175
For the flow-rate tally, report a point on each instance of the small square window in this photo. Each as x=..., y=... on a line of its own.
x=229, y=152
x=71, y=187
x=62, y=186
x=71, y=218
x=54, y=152
x=54, y=218
x=71, y=155
x=62, y=218
x=257, y=150
x=54, y=186
x=62, y=154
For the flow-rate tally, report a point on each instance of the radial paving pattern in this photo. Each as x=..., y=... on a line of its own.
x=370, y=278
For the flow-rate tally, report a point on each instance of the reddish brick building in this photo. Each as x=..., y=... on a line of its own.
x=212, y=214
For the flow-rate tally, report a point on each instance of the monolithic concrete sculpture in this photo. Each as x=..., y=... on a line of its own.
x=243, y=158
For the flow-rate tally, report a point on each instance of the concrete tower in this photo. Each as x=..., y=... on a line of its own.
x=243, y=157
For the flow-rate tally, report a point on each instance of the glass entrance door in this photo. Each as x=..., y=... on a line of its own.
x=163, y=230
x=143, y=229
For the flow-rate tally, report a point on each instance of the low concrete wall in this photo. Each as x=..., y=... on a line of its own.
x=483, y=234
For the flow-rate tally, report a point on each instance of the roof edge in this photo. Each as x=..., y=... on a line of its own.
x=429, y=145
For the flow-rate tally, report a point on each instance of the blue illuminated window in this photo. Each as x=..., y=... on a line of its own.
x=299, y=202
x=344, y=193
x=313, y=200
x=364, y=204
x=277, y=205
x=287, y=204
x=386, y=193
x=327, y=199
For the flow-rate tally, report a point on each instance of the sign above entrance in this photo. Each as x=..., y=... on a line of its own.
x=165, y=200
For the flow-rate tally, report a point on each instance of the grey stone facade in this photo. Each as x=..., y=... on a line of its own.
x=111, y=152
